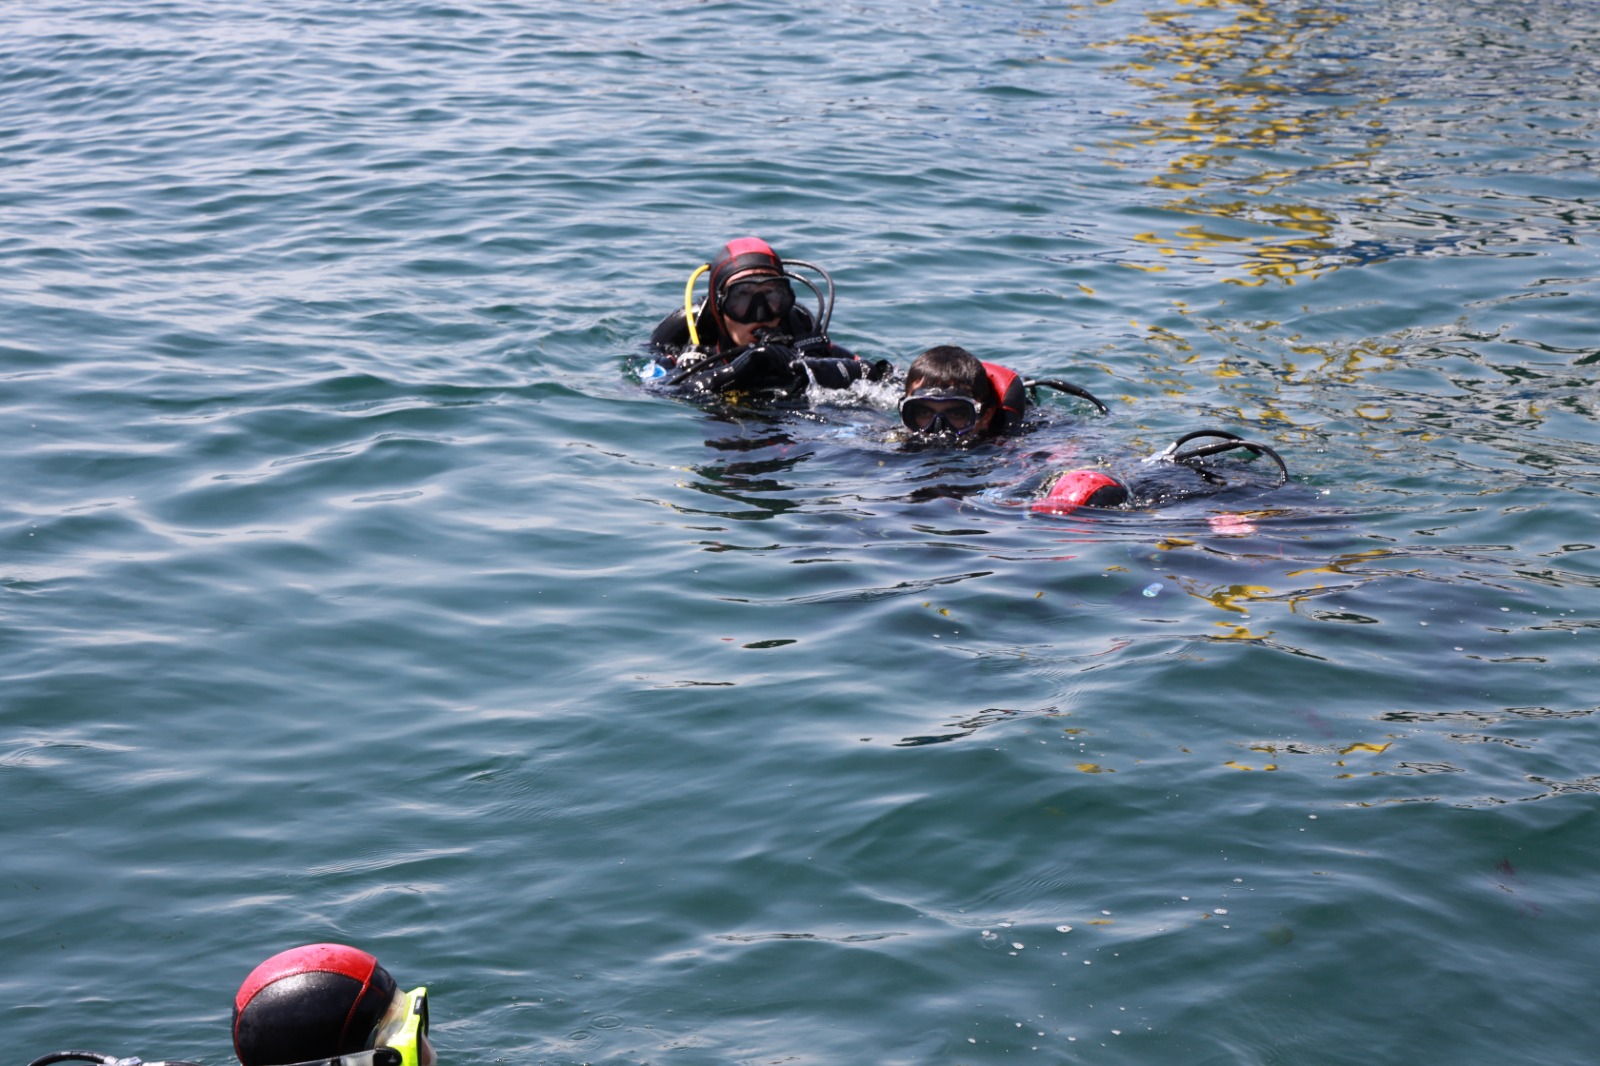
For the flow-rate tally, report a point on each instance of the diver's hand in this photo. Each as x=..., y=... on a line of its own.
x=770, y=364
x=760, y=367
x=773, y=336
x=833, y=372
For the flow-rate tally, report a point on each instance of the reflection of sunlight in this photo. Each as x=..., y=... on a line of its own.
x=1236, y=86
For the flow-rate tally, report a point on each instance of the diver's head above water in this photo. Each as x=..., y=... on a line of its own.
x=749, y=290
x=321, y=1001
x=948, y=393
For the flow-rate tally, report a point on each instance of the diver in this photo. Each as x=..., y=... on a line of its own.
x=750, y=336
x=326, y=1001
x=1182, y=470
x=953, y=396
x=315, y=1005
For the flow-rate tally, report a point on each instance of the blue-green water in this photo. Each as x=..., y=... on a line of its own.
x=353, y=589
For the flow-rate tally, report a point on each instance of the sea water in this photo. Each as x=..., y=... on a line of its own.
x=355, y=588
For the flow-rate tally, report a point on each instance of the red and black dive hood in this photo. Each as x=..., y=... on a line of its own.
x=311, y=1002
x=737, y=256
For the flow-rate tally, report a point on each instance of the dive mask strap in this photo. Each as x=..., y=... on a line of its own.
x=103, y=1060
x=378, y=1056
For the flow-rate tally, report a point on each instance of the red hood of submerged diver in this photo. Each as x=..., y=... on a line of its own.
x=1081, y=488
x=310, y=1002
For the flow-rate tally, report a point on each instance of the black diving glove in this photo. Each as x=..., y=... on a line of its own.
x=768, y=365
x=777, y=365
x=832, y=372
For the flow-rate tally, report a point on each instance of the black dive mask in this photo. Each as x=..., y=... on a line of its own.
x=760, y=299
x=933, y=411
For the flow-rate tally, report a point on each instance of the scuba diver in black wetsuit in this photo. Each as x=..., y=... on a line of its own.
x=322, y=1001
x=749, y=336
x=1167, y=477
x=952, y=395
x=316, y=1005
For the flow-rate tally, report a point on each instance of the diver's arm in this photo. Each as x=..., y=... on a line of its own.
x=670, y=337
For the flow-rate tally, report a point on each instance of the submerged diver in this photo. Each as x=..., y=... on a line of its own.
x=1167, y=476
x=323, y=1001
x=315, y=1005
x=951, y=394
x=749, y=335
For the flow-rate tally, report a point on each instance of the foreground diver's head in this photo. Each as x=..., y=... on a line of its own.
x=321, y=1001
x=948, y=392
x=749, y=291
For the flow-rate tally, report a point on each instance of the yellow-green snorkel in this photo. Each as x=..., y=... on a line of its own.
x=688, y=303
x=404, y=1025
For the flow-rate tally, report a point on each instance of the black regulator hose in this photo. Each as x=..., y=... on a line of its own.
x=1069, y=387
x=824, y=303
x=1228, y=442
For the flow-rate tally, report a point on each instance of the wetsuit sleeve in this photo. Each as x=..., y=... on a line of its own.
x=837, y=372
x=671, y=335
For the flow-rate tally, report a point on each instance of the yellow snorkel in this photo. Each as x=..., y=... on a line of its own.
x=403, y=1026
x=688, y=303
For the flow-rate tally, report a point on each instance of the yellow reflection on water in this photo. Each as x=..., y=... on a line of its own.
x=1235, y=84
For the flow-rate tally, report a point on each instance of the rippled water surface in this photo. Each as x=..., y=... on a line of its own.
x=354, y=589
